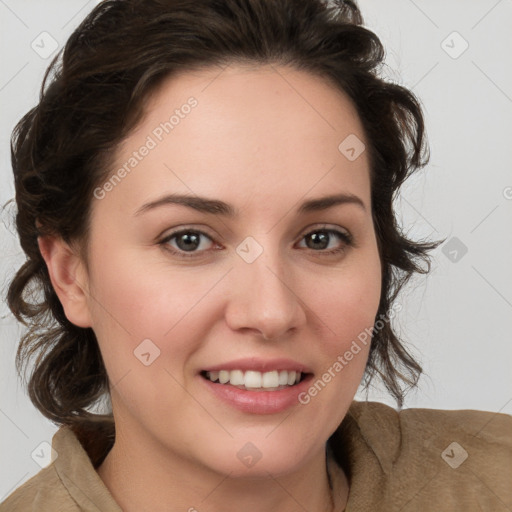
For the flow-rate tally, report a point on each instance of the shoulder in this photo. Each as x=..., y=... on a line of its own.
x=440, y=456
x=43, y=492
x=476, y=426
x=69, y=484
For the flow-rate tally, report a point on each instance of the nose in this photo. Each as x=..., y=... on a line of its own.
x=264, y=298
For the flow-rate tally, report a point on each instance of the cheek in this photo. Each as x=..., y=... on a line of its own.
x=133, y=286
x=346, y=319
x=132, y=302
x=148, y=324
x=349, y=308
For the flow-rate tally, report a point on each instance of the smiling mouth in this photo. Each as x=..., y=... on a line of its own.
x=256, y=381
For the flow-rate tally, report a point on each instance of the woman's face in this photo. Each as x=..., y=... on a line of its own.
x=263, y=279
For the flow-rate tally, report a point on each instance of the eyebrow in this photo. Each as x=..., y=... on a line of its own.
x=216, y=207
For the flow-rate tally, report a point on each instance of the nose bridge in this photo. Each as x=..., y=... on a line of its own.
x=262, y=297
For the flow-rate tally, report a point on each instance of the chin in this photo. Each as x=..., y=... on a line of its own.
x=257, y=456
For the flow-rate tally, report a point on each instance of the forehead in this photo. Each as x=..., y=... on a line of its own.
x=244, y=134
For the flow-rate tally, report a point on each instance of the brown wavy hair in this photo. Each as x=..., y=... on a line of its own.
x=93, y=95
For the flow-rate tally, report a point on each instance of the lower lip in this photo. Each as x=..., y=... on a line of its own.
x=258, y=402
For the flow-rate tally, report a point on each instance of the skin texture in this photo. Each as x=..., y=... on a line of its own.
x=263, y=139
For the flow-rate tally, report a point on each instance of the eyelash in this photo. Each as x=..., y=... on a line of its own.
x=346, y=238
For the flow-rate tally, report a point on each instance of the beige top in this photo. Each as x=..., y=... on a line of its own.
x=408, y=461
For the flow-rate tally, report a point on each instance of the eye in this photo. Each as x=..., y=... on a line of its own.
x=186, y=241
x=189, y=243
x=321, y=239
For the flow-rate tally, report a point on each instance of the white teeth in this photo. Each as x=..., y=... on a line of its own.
x=255, y=380
x=283, y=378
x=223, y=376
x=270, y=379
x=252, y=379
x=237, y=378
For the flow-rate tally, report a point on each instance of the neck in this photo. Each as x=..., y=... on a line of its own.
x=142, y=478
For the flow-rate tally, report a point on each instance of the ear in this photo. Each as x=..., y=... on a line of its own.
x=68, y=277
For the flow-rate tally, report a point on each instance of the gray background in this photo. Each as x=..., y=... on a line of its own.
x=458, y=320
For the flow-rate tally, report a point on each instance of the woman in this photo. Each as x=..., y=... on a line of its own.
x=205, y=198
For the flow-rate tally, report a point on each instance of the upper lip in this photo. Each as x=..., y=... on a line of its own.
x=260, y=365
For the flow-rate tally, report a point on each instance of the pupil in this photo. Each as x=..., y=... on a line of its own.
x=321, y=237
x=191, y=241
